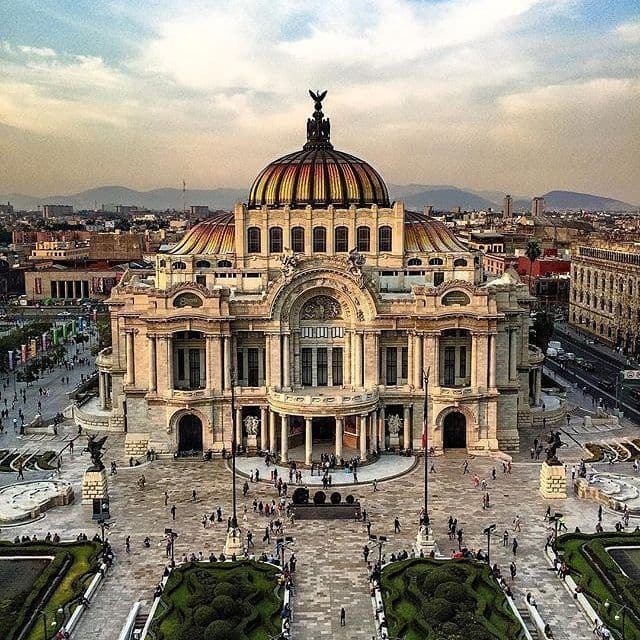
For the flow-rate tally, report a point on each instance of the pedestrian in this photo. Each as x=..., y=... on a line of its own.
x=194, y=496
x=493, y=473
x=127, y=544
x=517, y=525
x=513, y=570
x=166, y=498
x=365, y=553
x=173, y=512
x=514, y=546
x=433, y=468
x=396, y=525
x=375, y=485
x=573, y=472
x=505, y=538
x=343, y=615
x=465, y=467
x=20, y=471
x=599, y=513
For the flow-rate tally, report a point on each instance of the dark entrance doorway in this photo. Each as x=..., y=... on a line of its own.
x=324, y=429
x=190, y=433
x=455, y=431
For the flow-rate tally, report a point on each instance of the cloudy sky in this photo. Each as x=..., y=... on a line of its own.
x=516, y=95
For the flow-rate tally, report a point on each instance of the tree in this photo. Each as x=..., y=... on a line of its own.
x=543, y=327
x=533, y=252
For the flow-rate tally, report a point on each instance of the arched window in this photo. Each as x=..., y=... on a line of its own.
x=275, y=240
x=435, y=261
x=203, y=264
x=224, y=263
x=384, y=238
x=178, y=265
x=414, y=262
x=297, y=239
x=588, y=278
x=363, y=239
x=253, y=240
x=319, y=240
x=341, y=240
x=460, y=262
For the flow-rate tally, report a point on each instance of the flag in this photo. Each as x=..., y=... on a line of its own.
x=425, y=413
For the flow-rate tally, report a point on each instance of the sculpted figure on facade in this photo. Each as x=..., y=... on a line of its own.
x=321, y=308
x=289, y=262
x=251, y=424
x=395, y=424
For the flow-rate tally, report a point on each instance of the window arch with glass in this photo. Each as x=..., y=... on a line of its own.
x=253, y=240
x=341, y=239
x=384, y=238
x=275, y=240
x=297, y=239
x=319, y=240
x=363, y=239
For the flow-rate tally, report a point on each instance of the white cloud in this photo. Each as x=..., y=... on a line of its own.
x=629, y=31
x=44, y=52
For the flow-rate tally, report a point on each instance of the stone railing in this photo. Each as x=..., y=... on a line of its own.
x=536, y=356
x=83, y=417
x=453, y=392
x=343, y=401
x=104, y=360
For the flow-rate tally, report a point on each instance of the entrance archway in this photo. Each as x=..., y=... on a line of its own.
x=324, y=429
x=455, y=431
x=190, y=433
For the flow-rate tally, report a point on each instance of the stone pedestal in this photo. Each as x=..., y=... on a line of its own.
x=136, y=445
x=553, y=481
x=394, y=441
x=94, y=486
x=425, y=542
x=252, y=445
x=234, y=544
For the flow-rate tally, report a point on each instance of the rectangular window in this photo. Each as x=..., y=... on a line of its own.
x=194, y=368
x=252, y=367
x=307, y=367
x=336, y=365
x=404, y=374
x=449, y=366
x=321, y=355
x=201, y=280
x=181, y=375
x=392, y=366
x=438, y=278
x=463, y=362
x=240, y=365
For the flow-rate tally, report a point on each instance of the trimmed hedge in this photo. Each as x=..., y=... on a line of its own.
x=438, y=599
x=219, y=601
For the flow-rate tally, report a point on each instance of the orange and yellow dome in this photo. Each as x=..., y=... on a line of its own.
x=318, y=175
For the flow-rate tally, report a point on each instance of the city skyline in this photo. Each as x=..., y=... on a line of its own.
x=524, y=96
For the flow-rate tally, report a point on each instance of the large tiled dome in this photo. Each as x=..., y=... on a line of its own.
x=318, y=175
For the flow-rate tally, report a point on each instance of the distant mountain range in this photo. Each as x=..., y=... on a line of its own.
x=415, y=196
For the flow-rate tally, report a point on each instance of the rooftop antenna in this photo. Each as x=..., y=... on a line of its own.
x=184, y=196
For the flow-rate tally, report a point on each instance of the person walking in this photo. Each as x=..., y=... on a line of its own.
x=514, y=547
x=513, y=570
x=343, y=616
x=396, y=525
x=166, y=498
x=375, y=485
x=505, y=538
x=517, y=524
x=465, y=467
x=194, y=496
x=365, y=553
x=173, y=512
x=20, y=471
x=127, y=544
x=599, y=513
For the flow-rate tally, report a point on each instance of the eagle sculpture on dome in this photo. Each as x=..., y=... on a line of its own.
x=318, y=127
x=318, y=98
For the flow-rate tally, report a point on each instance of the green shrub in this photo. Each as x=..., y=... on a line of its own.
x=454, y=592
x=204, y=615
x=224, y=607
x=231, y=589
x=221, y=630
x=438, y=609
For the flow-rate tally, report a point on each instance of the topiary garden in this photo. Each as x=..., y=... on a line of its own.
x=220, y=601
x=446, y=600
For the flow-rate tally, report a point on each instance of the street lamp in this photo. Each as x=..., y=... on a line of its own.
x=488, y=531
x=284, y=543
x=619, y=615
x=103, y=525
x=233, y=545
x=172, y=536
x=555, y=518
x=378, y=541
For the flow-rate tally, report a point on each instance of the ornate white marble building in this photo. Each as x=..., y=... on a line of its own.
x=325, y=303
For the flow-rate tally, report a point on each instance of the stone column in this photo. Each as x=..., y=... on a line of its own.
x=358, y=359
x=208, y=356
x=339, y=431
x=417, y=361
x=434, y=379
x=131, y=367
x=406, y=424
x=153, y=374
x=347, y=359
x=492, y=361
x=264, y=445
x=272, y=431
x=239, y=426
x=267, y=360
x=102, y=391
x=362, y=432
x=538, y=386
x=227, y=362
x=410, y=365
x=374, y=431
x=513, y=354
x=284, y=438
x=308, y=440
x=474, y=360
x=286, y=361
x=383, y=430
x=169, y=341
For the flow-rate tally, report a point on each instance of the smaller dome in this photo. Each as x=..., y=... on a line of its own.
x=423, y=234
x=213, y=236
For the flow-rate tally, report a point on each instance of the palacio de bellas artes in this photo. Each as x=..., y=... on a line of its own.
x=322, y=305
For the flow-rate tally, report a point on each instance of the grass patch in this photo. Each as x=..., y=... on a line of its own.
x=44, y=461
x=596, y=451
x=225, y=601
x=446, y=600
x=60, y=584
x=600, y=578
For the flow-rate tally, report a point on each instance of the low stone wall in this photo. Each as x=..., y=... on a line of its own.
x=94, y=421
x=327, y=511
x=584, y=490
x=136, y=444
x=553, y=416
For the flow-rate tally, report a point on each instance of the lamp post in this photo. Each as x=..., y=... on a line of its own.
x=488, y=531
x=378, y=541
x=284, y=543
x=172, y=536
x=103, y=525
x=234, y=545
x=555, y=518
x=619, y=615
